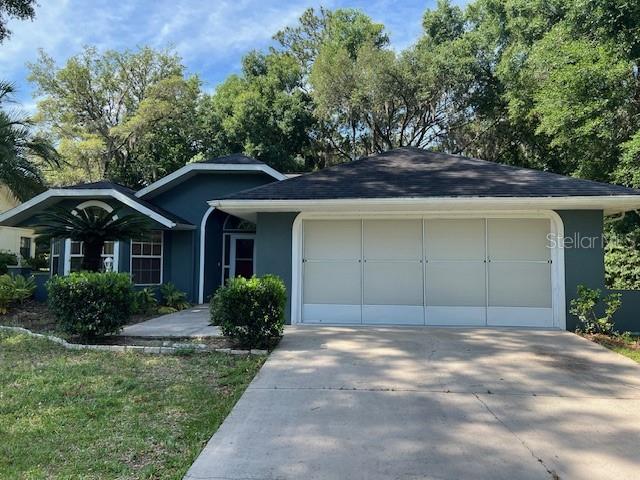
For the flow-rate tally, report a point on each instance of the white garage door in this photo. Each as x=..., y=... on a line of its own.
x=494, y=271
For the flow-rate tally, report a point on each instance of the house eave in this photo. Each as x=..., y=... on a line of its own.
x=14, y=216
x=609, y=204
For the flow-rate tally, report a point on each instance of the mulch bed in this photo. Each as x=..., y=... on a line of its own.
x=32, y=315
x=35, y=316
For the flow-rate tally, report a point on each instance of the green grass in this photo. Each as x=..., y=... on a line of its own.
x=632, y=353
x=93, y=415
x=627, y=345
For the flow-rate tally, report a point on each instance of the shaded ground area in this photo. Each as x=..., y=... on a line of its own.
x=192, y=322
x=379, y=403
x=96, y=415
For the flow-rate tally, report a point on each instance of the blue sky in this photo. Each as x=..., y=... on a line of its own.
x=211, y=36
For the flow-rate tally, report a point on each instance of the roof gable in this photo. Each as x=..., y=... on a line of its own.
x=95, y=190
x=236, y=163
x=233, y=159
x=416, y=173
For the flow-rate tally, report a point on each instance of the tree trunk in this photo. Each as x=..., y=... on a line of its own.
x=92, y=260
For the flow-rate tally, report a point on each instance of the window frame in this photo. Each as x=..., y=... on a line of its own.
x=56, y=250
x=161, y=257
x=30, y=241
x=114, y=256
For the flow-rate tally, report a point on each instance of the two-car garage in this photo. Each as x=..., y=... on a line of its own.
x=493, y=271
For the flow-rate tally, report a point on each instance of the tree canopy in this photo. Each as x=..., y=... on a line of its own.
x=19, y=9
x=549, y=84
x=129, y=116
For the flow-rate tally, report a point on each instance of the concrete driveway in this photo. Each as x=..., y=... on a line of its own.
x=434, y=403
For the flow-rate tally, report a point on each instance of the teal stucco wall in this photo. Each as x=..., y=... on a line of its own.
x=188, y=200
x=273, y=248
x=583, y=253
x=584, y=264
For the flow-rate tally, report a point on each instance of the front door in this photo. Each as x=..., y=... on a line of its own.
x=242, y=258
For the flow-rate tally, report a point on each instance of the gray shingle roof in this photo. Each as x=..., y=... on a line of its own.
x=234, y=159
x=412, y=172
x=105, y=185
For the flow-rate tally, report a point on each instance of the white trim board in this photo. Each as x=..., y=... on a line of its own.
x=208, y=167
x=89, y=193
x=203, y=237
x=556, y=314
x=609, y=204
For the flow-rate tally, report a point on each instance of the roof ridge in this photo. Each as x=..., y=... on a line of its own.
x=408, y=172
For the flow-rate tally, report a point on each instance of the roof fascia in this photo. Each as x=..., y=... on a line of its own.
x=609, y=204
x=88, y=193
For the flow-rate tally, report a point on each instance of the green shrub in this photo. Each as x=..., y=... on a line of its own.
x=172, y=297
x=39, y=262
x=91, y=304
x=23, y=287
x=145, y=302
x=250, y=310
x=586, y=307
x=7, y=258
x=15, y=289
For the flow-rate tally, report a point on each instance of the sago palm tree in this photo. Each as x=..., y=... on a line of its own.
x=19, y=147
x=93, y=226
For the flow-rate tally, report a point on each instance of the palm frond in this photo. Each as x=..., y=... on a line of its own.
x=19, y=146
x=90, y=224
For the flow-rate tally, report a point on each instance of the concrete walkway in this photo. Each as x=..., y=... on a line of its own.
x=432, y=403
x=192, y=322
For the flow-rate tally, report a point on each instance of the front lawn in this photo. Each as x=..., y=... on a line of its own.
x=632, y=353
x=627, y=346
x=95, y=415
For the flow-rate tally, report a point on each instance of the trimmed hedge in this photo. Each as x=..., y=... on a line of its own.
x=91, y=304
x=250, y=311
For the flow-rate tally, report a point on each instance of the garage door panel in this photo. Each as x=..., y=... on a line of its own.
x=474, y=272
x=519, y=284
x=331, y=314
x=455, y=239
x=518, y=239
x=456, y=316
x=396, y=314
x=332, y=283
x=332, y=239
x=393, y=283
x=521, y=317
x=392, y=239
x=460, y=284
